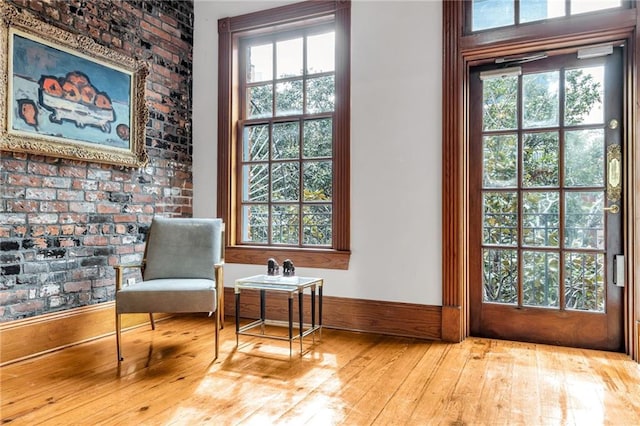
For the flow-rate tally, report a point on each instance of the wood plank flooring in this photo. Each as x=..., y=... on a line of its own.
x=167, y=378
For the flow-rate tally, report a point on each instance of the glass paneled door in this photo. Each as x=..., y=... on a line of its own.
x=545, y=225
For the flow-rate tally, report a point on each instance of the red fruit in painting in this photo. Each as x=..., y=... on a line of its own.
x=103, y=101
x=88, y=94
x=71, y=91
x=28, y=112
x=51, y=86
x=77, y=78
x=123, y=132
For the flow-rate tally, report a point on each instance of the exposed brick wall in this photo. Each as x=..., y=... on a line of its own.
x=64, y=223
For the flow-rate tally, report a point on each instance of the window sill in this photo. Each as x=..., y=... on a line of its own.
x=309, y=258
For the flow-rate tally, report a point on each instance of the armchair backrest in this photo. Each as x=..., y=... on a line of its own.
x=183, y=248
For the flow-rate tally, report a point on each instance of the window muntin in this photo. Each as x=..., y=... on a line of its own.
x=543, y=188
x=489, y=14
x=286, y=147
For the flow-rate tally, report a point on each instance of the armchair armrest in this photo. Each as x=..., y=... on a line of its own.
x=120, y=269
x=218, y=269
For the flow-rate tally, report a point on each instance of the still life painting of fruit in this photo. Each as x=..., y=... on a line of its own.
x=65, y=96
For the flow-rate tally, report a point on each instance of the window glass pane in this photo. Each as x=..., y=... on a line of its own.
x=321, y=53
x=541, y=219
x=584, y=281
x=500, y=218
x=255, y=224
x=540, y=159
x=285, y=223
x=536, y=10
x=255, y=146
x=540, y=279
x=289, y=58
x=318, y=138
x=316, y=224
x=320, y=94
x=584, y=158
x=286, y=141
x=289, y=98
x=500, y=160
x=540, y=102
x=285, y=181
x=584, y=94
x=500, y=103
x=260, y=101
x=500, y=276
x=584, y=220
x=491, y=14
x=317, y=178
x=260, y=66
x=255, y=182
x=584, y=6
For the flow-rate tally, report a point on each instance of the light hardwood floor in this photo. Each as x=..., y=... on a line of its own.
x=167, y=378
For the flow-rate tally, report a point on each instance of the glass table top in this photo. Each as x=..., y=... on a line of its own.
x=276, y=282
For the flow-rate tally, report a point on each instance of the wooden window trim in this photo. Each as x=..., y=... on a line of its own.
x=460, y=51
x=229, y=32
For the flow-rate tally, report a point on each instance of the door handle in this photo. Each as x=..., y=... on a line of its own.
x=612, y=209
x=614, y=173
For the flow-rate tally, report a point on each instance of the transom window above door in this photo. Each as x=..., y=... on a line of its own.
x=488, y=14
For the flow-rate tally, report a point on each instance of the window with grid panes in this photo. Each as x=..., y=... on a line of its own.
x=284, y=160
x=286, y=171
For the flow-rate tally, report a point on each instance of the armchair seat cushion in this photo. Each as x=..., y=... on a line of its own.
x=171, y=295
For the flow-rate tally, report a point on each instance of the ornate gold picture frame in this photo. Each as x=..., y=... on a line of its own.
x=66, y=96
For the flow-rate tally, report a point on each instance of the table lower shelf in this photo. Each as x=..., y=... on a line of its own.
x=307, y=329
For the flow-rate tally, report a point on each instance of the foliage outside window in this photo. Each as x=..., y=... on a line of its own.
x=283, y=150
x=531, y=187
x=287, y=139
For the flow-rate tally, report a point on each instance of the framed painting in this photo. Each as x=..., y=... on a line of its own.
x=67, y=96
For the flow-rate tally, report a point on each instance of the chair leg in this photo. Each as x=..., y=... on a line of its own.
x=221, y=311
x=153, y=324
x=217, y=334
x=118, y=336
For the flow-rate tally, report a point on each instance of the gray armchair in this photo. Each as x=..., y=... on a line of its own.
x=182, y=271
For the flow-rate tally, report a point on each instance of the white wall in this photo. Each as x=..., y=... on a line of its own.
x=396, y=50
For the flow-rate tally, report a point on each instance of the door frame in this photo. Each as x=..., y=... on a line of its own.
x=460, y=52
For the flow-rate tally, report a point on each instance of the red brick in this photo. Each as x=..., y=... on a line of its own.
x=95, y=196
x=22, y=206
x=24, y=180
x=28, y=306
x=54, y=206
x=67, y=242
x=110, y=186
x=71, y=171
x=53, y=230
x=77, y=286
x=73, y=218
x=42, y=169
x=125, y=249
x=42, y=218
x=106, y=208
x=14, y=166
x=41, y=194
x=87, y=185
x=96, y=240
x=124, y=218
x=56, y=182
x=70, y=195
x=82, y=207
